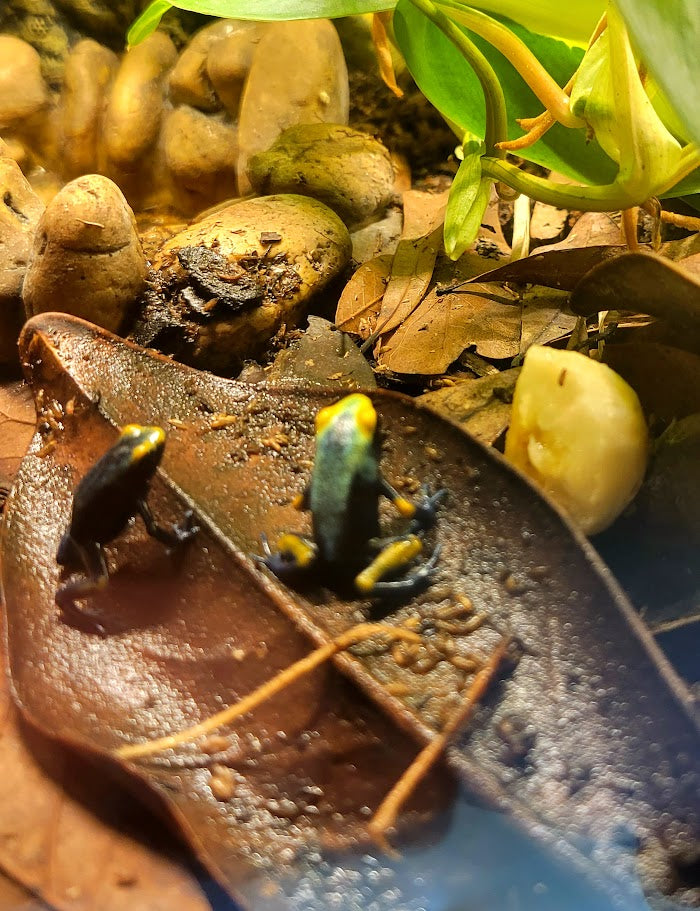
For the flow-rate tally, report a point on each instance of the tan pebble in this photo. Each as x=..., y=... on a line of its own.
x=222, y=782
x=314, y=249
x=347, y=169
x=200, y=154
x=228, y=63
x=23, y=92
x=190, y=82
x=89, y=71
x=20, y=211
x=298, y=75
x=87, y=258
x=135, y=108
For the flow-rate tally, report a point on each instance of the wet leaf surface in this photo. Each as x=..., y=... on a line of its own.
x=608, y=773
x=71, y=835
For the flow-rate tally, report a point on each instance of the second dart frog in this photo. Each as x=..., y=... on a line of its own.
x=343, y=497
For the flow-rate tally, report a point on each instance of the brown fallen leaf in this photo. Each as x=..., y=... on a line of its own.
x=17, y=420
x=322, y=356
x=439, y=330
x=666, y=379
x=361, y=300
x=73, y=836
x=184, y=644
x=545, y=317
x=646, y=283
x=482, y=407
x=414, y=260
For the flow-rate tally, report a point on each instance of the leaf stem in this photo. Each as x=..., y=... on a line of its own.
x=496, y=120
x=552, y=96
x=604, y=198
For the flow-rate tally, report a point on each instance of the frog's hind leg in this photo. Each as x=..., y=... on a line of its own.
x=391, y=559
x=96, y=578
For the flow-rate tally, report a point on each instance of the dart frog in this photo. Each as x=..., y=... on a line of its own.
x=343, y=497
x=107, y=497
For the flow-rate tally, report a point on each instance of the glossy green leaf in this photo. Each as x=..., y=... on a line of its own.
x=469, y=197
x=668, y=36
x=573, y=22
x=148, y=21
x=260, y=10
x=451, y=85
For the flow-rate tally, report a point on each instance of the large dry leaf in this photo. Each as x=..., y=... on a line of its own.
x=482, y=407
x=361, y=300
x=16, y=429
x=646, y=283
x=414, y=260
x=666, y=379
x=71, y=835
x=605, y=713
x=442, y=326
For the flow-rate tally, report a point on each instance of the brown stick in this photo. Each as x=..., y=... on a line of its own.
x=304, y=666
x=390, y=807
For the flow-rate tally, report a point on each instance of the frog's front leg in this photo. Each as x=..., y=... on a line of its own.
x=423, y=513
x=391, y=559
x=171, y=537
x=292, y=556
x=91, y=557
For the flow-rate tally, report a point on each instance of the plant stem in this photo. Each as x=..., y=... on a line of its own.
x=592, y=199
x=496, y=121
x=552, y=96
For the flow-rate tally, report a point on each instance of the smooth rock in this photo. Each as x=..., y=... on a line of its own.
x=348, y=170
x=227, y=284
x=20, y=211
x=298, y=75
x=200, y=154
x=23, y=92
x=87, y=258
x=135, y=109
x=229, y=60
x=190, y=82
x=90, y=70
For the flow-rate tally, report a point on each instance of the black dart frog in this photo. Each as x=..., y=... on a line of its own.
x=343, y=497
x=112, y=492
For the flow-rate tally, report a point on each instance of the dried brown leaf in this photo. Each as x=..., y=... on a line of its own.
x=17, y=419
x=482, y=407
x=361, y=300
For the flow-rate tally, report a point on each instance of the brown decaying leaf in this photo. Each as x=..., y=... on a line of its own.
x=646, y=283
x=482, y=407
x=17, y=420
x=666, y=379
x=437, y=332
x=73, y=836
x=322, y=356
x=361, y=300
x=414, y=260
x=183, y=645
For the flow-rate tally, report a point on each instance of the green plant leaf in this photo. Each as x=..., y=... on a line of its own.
x=469, y=196
x=451, y=85
x=260, y=10
x=668, y=36
x=147, y=22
